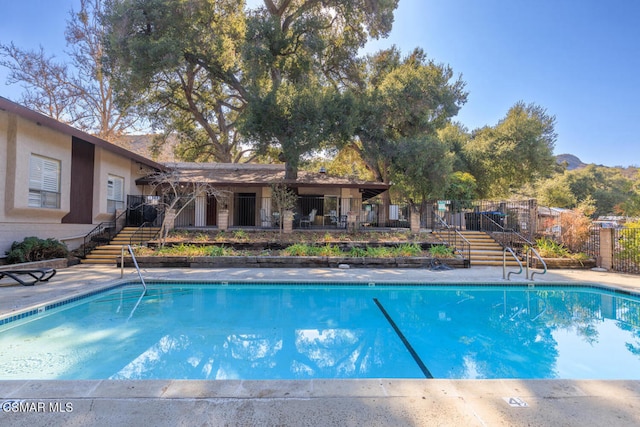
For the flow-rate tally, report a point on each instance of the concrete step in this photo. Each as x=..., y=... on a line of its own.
x=107, y=254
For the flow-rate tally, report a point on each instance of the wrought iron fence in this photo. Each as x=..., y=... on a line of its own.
x=592, y=245
x=482, y=215
x=626, y=250
x=310, y=212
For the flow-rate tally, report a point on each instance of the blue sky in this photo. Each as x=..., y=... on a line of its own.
x=578, y=59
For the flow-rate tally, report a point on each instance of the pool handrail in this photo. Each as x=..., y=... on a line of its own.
x=504, y=264
x=544, y=264
x=144, y=285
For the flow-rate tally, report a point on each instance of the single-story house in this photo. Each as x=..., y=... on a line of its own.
x=323, y=200
x=60, y=182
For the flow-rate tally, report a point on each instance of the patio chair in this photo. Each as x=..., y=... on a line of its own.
x=338, y=221
x=308, y=219
x=37, y=274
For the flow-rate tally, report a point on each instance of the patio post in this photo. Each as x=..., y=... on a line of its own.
x=223, y=219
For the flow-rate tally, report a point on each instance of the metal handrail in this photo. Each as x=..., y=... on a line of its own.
x=465, y=243
x=140, y=231
x=504, y=264
x=110, y=226
x=544, y=264
x=144, y=285
x=512, y=236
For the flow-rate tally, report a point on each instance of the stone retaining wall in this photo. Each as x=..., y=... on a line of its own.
x=287, y=262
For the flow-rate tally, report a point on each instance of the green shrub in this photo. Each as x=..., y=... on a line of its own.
x=298, y=249
x=356, y=252
x=35, y=249
x=408, y=250
x=548, y=248
x=220, y=251
x=329, y=250
x=441, y=251
x=379, y=252
x=240, y=235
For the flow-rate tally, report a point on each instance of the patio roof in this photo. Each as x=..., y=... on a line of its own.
x=250, y=175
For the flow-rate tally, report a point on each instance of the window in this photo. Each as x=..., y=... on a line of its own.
x=44, y=182
x=115, y=193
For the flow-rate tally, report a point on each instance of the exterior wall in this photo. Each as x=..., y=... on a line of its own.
x=19, y=138
x=108, y=163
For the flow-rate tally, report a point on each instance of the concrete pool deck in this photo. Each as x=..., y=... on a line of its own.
x=314, y=402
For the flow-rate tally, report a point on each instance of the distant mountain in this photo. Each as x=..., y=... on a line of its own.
x=573, y=162
x=141, y=144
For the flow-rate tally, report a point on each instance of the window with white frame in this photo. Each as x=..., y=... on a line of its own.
x=44, y=182
x=115, y=193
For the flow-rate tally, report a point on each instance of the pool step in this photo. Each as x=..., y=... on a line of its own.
x=109, y=253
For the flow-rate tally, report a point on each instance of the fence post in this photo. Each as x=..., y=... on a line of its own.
x=606, y=248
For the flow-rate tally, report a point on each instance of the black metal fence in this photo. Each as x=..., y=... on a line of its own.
x=626, y=250
x=144, y=209
x=482, y=215
x=592, y=245
x=310, y=212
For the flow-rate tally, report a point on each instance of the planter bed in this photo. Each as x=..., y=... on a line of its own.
x=287, y=262
x=565, y=263
x=260, y=246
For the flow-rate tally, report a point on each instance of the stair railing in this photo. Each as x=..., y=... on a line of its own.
x=104, y=231
x=454, y=239
x=507, y=237
x=143, y=234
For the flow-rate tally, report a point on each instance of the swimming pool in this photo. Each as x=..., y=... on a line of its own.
x=273, y=331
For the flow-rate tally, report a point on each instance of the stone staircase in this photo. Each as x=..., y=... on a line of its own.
x=485, y=251
x=109, y=253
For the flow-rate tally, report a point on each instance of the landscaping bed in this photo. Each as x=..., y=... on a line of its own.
x=242, y=248
x=289, y=262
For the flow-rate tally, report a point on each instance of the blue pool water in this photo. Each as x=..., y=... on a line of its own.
x=216, y=331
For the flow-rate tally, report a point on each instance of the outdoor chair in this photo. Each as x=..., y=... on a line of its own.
x=37, y=274
x=308, y=219
x=338, y=221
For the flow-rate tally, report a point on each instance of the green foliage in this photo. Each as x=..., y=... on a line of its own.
x=548, y=248
x=408, y=250
x=220, y=251
x=283, y=197
x=517, y=151
x=402, y=102
x=194, y=250
x=357, y=252
x=441, y=251
x=298, y=249
x=554, y=192
x=630, y=242
x=405, y=250
x=36, y=249
x=240, y=235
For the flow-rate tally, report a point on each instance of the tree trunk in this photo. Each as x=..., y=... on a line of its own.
x=290, y=171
